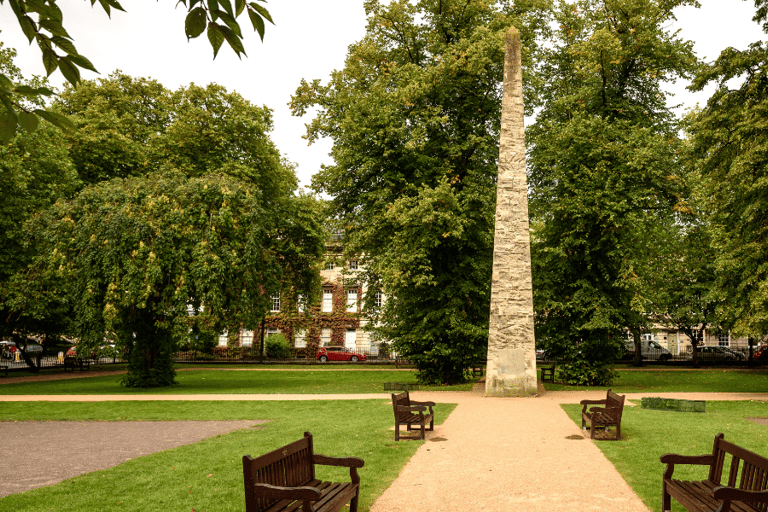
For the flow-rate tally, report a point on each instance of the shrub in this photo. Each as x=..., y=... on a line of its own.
x=277, y=347
x=585, y=373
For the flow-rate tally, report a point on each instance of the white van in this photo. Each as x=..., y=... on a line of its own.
x=649, y=349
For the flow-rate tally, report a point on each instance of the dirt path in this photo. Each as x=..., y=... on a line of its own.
x=70, y=448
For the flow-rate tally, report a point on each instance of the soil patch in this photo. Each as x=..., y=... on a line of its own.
x=42, y=453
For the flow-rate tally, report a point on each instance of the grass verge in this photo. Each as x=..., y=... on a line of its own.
x=208, y=475
x=648, y=434
x=710, y=380
x=233, y=381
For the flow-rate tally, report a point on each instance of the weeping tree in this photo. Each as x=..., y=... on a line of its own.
x=136, y=255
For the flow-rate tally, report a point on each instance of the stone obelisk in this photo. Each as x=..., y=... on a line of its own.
x=511, y=367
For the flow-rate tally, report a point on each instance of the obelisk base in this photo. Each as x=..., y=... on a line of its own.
x=511, y=374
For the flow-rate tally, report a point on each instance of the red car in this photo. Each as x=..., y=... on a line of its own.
x=339, y=354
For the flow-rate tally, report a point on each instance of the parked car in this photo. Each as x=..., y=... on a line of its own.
x=718, y=354
x=761, y=354
x=339, y=354
x=7, y=348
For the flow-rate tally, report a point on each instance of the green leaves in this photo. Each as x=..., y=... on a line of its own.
x=196, y=22
x=218, y=18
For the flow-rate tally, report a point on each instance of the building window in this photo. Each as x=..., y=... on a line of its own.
x=223, y=339
x=352, y=264
x=325, y=337
x=246, y=338
x=352, y=300
x=271, y=332
x=724, y=340
x=300, y=340
x=275, y=303
x=648, y=337
x=378, y=300
x=327, y=301
x=329, y=265
x=301, y=303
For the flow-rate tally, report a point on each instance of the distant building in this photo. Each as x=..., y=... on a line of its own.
x=333, y=318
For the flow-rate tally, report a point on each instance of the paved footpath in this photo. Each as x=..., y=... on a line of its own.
x=493, y=454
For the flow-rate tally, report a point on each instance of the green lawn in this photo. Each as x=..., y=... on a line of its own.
x=236, y=382
x=710, y=380
x=207, y=476
x=648, y=434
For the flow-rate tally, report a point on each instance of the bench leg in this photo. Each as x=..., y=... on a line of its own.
x=353, y=503
x=397, y=430
x=666, y=504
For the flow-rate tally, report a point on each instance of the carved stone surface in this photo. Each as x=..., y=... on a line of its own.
x=511, y=369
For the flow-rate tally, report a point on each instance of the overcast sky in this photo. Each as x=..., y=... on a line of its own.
x=309, y=41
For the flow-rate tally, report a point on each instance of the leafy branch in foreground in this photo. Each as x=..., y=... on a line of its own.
x=43, y=22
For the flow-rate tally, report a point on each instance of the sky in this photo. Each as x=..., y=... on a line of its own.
x=309, y=40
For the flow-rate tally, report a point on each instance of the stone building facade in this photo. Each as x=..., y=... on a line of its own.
x=334, y=318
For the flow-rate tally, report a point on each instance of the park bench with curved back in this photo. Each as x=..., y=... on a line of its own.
x=284, y=480
x=609, y=415
x=410, y=413
x=745, y=490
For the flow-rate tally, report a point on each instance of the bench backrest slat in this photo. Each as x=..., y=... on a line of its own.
x=289, y=466
x=614, y=405
x=748, y=470
x=400, y=399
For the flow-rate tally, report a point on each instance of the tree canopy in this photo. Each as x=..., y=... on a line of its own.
x=186, y=219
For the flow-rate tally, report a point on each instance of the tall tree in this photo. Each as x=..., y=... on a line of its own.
x=732, y=146
x=414, y=117
x=35, y=171
x=43, y=22
x=605, y=172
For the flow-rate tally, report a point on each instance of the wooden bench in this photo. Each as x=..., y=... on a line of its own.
x=411, y=413
x=607, y=416
x=744, y=492
x=284, y=480
x=477, y=367
x=73, y=362
x=547, y=372
x=4, y=368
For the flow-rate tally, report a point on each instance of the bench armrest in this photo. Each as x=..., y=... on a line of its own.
x=348, y=462
x=411, y=408
x=700, y=460
x=732, y=494
x=303, y=493
x=428, y=404
x=670, y=459
x=587, y=403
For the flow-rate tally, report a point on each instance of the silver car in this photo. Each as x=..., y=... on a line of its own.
x=716, y=353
